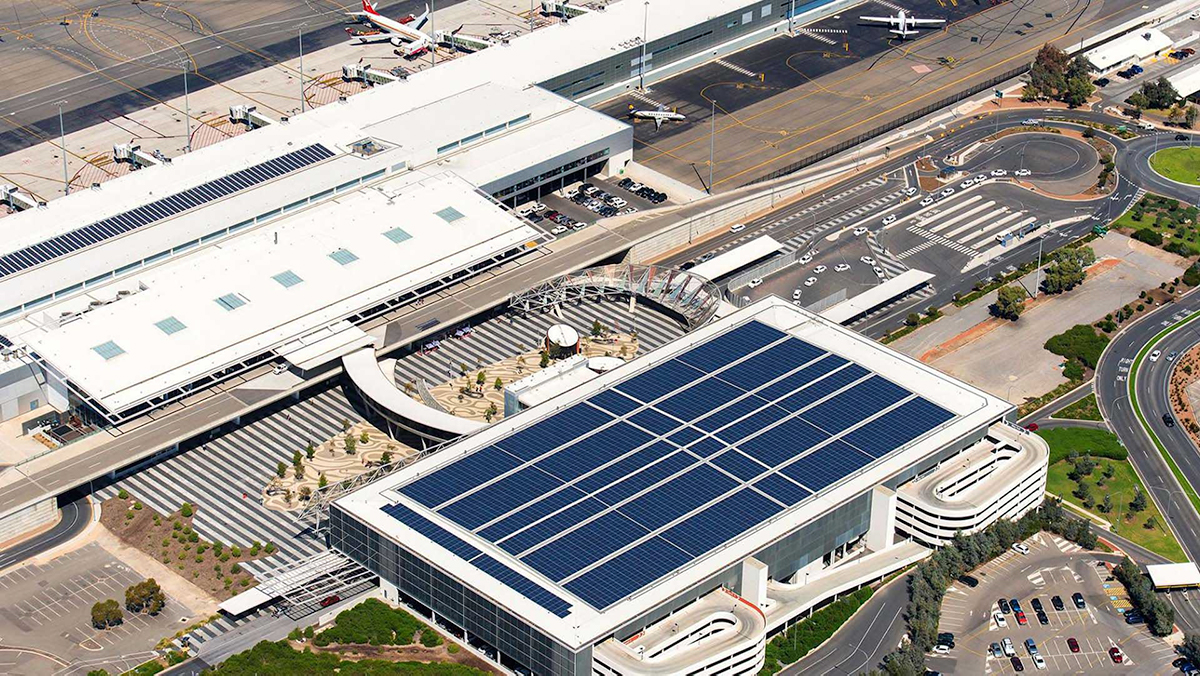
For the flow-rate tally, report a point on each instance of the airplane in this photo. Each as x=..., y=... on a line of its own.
x=659, y=116
x=396, y=32
x=903, y=23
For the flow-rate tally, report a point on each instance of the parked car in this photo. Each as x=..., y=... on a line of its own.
x=878, y=272
x=867, y=260
x=1057, y=602
x=1016, y=605
x=1021, y=618
x=927, y=201
x=889, y=219
x=996, y=650
x=946, y=638
x=941, y=649
x=819, y=269
x=1036, y=603
x=999, y=172
x=1039, y=662
x=860, y=231
x=1003, y=605
x=755, y=283
x=1020, y=548
x=1007, y=644
x=1016, y=663
x=947, y=192
x=1030, y=646
x=1117, y=656
x=1078, y=599
x=796, y=294
x=969, y=580
x=841, y=267
x=1032, y=427
x=1043, y=619
x=330, y=600
x=1102, y=82
x=810, y=281
x=1134, y=618
x=1001, y=623
x=1137, y=70
x=1073, y=644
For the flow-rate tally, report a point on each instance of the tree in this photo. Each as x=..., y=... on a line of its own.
x=1159, y=93
x=1190, y=648
x=1109, y=470
x=1138, y=503
x=322, y=482
x=1048, y=74
x=480, y=379
x=107, y=614
x=298, y=471
x=351, y=444
x=1079, y=90
x=145, y=596
x=185, y=510
x=310, y=450
x=597, y=328
x=98, y=672
x=364, y=437
x=1010, y=302
x=1151, y=523
x=545, y=361
x=490, y=412
x=913, y=319
x=499, y=384
x=386, y=458
x=1067, y=269
x=1137, y=103
x=280, y=469
x=296, y=457
x=1107, y=505
x=1189, y=116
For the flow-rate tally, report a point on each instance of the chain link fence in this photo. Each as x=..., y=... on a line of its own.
x=894, y=124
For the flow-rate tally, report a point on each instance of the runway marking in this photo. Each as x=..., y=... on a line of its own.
x=736, y=68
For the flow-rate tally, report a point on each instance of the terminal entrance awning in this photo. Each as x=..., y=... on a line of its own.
x=303, y=585
x=739, y=257
x=1174, y=575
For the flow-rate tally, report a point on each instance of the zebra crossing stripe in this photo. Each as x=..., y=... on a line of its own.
x=948, y=243
x=983, y=236
x=816, y=36
x=916, y=249
x=644, y=99
x=736, y=68
x=890, y=5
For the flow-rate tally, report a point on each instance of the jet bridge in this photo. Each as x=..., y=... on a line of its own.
x=134, y=155
x=469, y=43
x=249, y=116
x=563, y=9
x=366, y=74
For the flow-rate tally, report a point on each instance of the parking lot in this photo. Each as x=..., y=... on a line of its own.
x=48, y=608
x=1053, y=567
x=577, y=212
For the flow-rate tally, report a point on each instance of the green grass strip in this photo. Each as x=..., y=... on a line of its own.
x=1137, y=361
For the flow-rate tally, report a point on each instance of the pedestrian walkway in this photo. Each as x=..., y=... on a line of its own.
x=736, y=68
x=224, y=478
x=966, y=224
x=506, y=335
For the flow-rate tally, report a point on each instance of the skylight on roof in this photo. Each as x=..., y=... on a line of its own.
x=287, y=278
x=108, y=350
x=397, y=235
x=170, y=325
x=449, y=214
x=343, y=257
x=231, y=301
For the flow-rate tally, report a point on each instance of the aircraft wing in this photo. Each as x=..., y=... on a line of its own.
x=926, y=22
x=382, y=36
x=881, y=19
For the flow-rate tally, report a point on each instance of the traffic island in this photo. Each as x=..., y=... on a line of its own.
x=1181, y=165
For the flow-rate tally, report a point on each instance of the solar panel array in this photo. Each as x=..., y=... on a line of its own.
x=610, y=494
x=158, y=210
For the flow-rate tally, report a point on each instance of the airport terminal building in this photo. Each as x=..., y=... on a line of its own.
x=669, y=515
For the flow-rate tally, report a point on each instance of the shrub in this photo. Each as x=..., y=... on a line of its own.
x=236, y=551
x=796, y=642
x=373, y=622
x=185, y=510
x=123, y=494
x=1149, y=236
x=1078, y=342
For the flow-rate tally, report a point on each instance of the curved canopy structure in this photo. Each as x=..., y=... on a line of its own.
x=691, y=296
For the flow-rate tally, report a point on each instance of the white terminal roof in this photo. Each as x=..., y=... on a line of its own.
x=1140, y=44
x=579, y=616
x=272, y=286
x=512, y=69
x=737, y=257
x=1186, y=81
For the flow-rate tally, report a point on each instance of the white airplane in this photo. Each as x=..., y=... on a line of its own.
x=396, y=32
x=903, y=23
x=659, y=116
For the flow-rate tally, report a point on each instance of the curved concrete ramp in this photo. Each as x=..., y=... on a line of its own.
x=363, y=370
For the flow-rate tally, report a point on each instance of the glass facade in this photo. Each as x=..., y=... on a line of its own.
x=516, y=641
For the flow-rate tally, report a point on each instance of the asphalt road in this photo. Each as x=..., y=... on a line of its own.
x=1111, y=391
x=127, y=59
x=861, y=643
x=75, y=517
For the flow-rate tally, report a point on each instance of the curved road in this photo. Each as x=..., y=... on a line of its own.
x=75, y=517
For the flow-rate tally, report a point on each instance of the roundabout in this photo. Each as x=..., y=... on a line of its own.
x=1179, y=164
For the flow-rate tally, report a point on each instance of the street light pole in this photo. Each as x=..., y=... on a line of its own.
x=62, y=142
x=300, y=39
x=187, y=113
x=432, y=34
x=645, y=33
x=792, y=19
x=712, y=139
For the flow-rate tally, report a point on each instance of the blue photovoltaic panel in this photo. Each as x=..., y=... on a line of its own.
x=647, y=477
x=619, y=577
x=624, y=467
x=554, y=431
x=678, y=496
x=685, y=436
x=852, y=406
x=782, y=489
x=698, y=399
x=532, y=512
x=706, y=447
x=654, y=421
x=741, y=466
x=723, y=417
x=898, y=427
x=63, y=244
x=432, y=531
x=730, y=346
x=460, y=476
x=665, y=378
x=614, y=402
x=548, y=528
x=522, y=585
x=591, y=452
x=584, y=546
x=826, y=465
x=721, y=522
x=500, y=497
x=770, y=363
x=822, y=388
x=751, y=424
x=783, y=442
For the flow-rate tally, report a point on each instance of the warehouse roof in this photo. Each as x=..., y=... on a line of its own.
x=614, y=497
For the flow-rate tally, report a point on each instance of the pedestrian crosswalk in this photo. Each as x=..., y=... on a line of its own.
x=501, y=337
x=890, y=5
x=886, y=260
x=736, y=68
x=966, y=224
x=844, y=218
x=816, y=36
x=225, y=477
x=644, y=99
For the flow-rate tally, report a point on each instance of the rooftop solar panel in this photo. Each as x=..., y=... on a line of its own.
x=587, y=544
x=621, y=576
x=66, y=243
x=593, y=451
x=499, y=497
x=898, y=427
x=614, y=402
x=435, y=533
x=782, y=442
x=852, y=406
x=678, y=496
x=451, y=480
x=822, y=388
x=826, y=465
x=782, y=489
x=517, y=520
x=554, y=431
x=738, y=464
x=731, y=345
x=667, y=377
x=766, y=365
x=721, y=522
x=625, y=466
x=647, y=477
x=552, y=525
x=698, y=399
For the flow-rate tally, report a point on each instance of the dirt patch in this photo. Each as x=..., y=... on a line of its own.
x=171, y=540
x=406, y=653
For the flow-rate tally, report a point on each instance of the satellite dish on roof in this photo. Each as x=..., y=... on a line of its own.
x=562, y=337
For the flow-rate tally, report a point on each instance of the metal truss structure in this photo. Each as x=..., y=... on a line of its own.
x=692, y=297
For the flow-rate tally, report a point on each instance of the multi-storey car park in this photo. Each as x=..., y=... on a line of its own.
x=670, y=514
x=498, y=127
